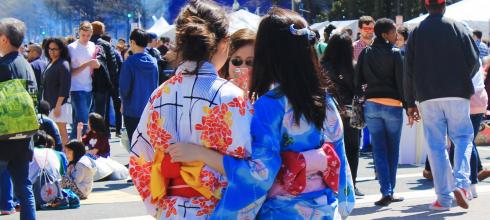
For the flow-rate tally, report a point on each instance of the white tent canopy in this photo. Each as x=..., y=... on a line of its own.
x=352, y=24
x=238, y=20
x=473, y=12
x=160, y=25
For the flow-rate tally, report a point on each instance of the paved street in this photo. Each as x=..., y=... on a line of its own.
x=115, y=200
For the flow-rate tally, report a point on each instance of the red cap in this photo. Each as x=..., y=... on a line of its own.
x=440, y=2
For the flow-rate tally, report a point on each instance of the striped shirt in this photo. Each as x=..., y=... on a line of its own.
x=483, y=48
x=359, y=45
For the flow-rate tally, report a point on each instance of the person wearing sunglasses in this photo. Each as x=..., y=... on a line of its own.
x=240, y=61
x=366, y=28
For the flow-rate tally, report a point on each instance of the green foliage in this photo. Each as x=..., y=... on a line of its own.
x=353, y=9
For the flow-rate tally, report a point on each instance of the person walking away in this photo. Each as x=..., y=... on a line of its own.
x=116, y=100
x=15, y=155
x=380, y=68
x=441, y=59
x=83, y=63
x=57, y=79
x=338, y=64
x=104, y=78
x=138, y=79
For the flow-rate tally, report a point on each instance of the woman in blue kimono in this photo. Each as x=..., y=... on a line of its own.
x=296, y=117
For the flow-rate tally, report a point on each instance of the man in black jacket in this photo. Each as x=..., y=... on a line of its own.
x=105, y=78
x=441, y=59
x=15, y=155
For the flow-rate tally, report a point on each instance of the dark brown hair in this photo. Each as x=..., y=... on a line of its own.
x=239, y=39
x=98, y=27
x=200, y=26
x=291, y=61
x=365, y=20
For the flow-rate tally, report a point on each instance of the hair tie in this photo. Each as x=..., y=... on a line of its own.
x=302, y=32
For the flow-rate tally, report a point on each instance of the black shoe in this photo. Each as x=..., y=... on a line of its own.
x=385, y=201
x=357, y=192
x=397, y=199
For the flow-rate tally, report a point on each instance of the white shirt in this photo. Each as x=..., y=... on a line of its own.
x=479, y=79
x=80, y=54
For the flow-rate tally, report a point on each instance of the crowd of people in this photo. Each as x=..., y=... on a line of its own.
x=274, y=117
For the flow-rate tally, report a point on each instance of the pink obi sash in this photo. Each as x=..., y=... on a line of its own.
x=307, y=171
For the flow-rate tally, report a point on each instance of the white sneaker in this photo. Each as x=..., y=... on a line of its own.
x=474, y=194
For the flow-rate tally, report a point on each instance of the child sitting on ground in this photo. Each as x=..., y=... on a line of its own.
x=97, y=137
x=80, y=172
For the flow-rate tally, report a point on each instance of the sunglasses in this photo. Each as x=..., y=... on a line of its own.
x=239, y=62
x=368, y=29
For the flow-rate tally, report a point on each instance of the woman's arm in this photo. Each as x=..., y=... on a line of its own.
x=182, y=152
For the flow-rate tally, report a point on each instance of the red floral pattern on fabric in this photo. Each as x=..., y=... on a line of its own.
x=206, y=205
x=239, y=152
x=331, y=174
x=209, y=180
x=159, y=138
x=168, y=205
x=240, y=103
x=215, y=127
x=157, y=95
x=292, y=174
x=176, y=78
x=140, y=173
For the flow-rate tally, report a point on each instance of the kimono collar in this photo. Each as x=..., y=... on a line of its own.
x=206, y=68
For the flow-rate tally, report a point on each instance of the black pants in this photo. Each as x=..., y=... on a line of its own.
x=131, y=124
x=117, y=112
x=352, y=138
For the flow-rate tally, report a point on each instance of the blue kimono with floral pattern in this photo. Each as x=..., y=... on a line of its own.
x=274, y=131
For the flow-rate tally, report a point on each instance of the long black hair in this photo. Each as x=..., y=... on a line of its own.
x=291, y=61
x=340, y=53
x=60, y=42
x=78, y=150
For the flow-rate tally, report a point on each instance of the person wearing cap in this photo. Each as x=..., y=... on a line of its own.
x=441, y=59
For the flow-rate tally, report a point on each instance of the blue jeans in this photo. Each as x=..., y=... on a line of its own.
x=385, y=125
x=19, y=171
x=441, y=118
x=475, y=157
x=80, y=102
x=6, y=192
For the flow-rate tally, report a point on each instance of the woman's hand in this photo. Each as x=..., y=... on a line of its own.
x=181, y=152
x=57, y=111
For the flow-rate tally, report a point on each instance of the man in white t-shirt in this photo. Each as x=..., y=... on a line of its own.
x=83, y=62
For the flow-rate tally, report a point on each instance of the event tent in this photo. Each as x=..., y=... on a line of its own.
x=159, y=26
x=238, y=20
x=473, y=12
x=352, y=24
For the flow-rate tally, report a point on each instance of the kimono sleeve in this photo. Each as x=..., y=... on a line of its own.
x=334, y=134
x=250, y=179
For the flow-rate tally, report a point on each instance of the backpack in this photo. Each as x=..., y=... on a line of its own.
x=18, y=118
x=101, y=79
